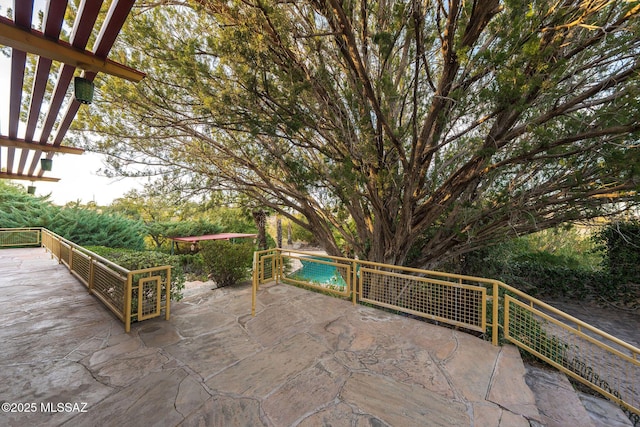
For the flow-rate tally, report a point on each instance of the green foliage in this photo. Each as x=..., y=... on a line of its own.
x=193, y=264
x=232, y=220
x=19, y=209
x=548, y=280
x=620, y=241
x=569, y=246
x=465, y=127
x=165, y=214
x=298, y=233
x=80, y=225
x=228, y=263
x=90, y=228
x=137, y=260
x=553, y=263
x=156, y=203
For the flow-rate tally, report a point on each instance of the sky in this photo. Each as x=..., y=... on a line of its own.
x=79, y=177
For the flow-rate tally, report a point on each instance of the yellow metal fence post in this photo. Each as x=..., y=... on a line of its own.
x=354, y=282
x=167, y=311
x=494, y=320
x=92, y=273
x=254, y=284
x=127, y=303
x=278, y=263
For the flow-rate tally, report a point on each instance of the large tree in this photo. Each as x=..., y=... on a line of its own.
x=411, y=131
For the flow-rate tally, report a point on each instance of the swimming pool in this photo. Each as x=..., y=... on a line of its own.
x=318, y=272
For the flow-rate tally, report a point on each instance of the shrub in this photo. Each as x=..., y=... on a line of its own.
x=228, y=263
x=86, y=227
x=193, y=264
x=540, y=266
x=540, y=279
x=621, y=244
x=137, y=260
x=80, y=225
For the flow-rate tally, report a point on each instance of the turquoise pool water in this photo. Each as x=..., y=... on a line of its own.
x=317, y=272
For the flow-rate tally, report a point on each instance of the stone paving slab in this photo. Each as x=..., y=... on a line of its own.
x=556, y=399
x=304, y=360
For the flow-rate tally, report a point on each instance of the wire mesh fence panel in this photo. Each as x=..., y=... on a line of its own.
x=65, y=250
x=19, y=237
x=448, y=302
x=589, y=356
x=148, y=296
x=268, y=268
x=149, y=292
x=81, y=266
x=110, y=287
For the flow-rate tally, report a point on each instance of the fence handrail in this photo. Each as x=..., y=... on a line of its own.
x=93, y=255
x=100, y=258
x=20, y=228
x=578, y=322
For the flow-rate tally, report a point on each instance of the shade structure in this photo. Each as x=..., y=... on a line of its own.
x=220, y=236
x=42, y=53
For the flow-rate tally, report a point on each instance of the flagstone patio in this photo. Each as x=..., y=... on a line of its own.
x=305, y=359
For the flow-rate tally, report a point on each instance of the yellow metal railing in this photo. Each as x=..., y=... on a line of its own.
x=453, y=303
x=265, y=269
x=585, y=353
x=593, y=357
x=15, y=237
x=130, y=295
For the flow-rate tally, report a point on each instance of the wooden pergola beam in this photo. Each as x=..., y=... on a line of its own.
x=21, y=143
x=32, y=41
x=5, y=175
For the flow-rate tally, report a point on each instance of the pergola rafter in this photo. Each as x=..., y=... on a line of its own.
x=73, y=57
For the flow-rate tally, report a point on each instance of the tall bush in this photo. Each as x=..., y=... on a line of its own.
x=90, y=228
x=228, y=263
x=551, y=264
x=620, y=242
x=80, y=225
x=19, y=209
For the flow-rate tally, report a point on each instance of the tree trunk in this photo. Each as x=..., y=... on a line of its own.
x=260, y=218
x=279, y=232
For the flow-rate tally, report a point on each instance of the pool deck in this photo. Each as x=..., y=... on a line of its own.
x=305, y=359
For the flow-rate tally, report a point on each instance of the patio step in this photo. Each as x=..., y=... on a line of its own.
x=561, y=405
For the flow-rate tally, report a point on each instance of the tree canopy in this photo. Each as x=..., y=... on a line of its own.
x=412, y=131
